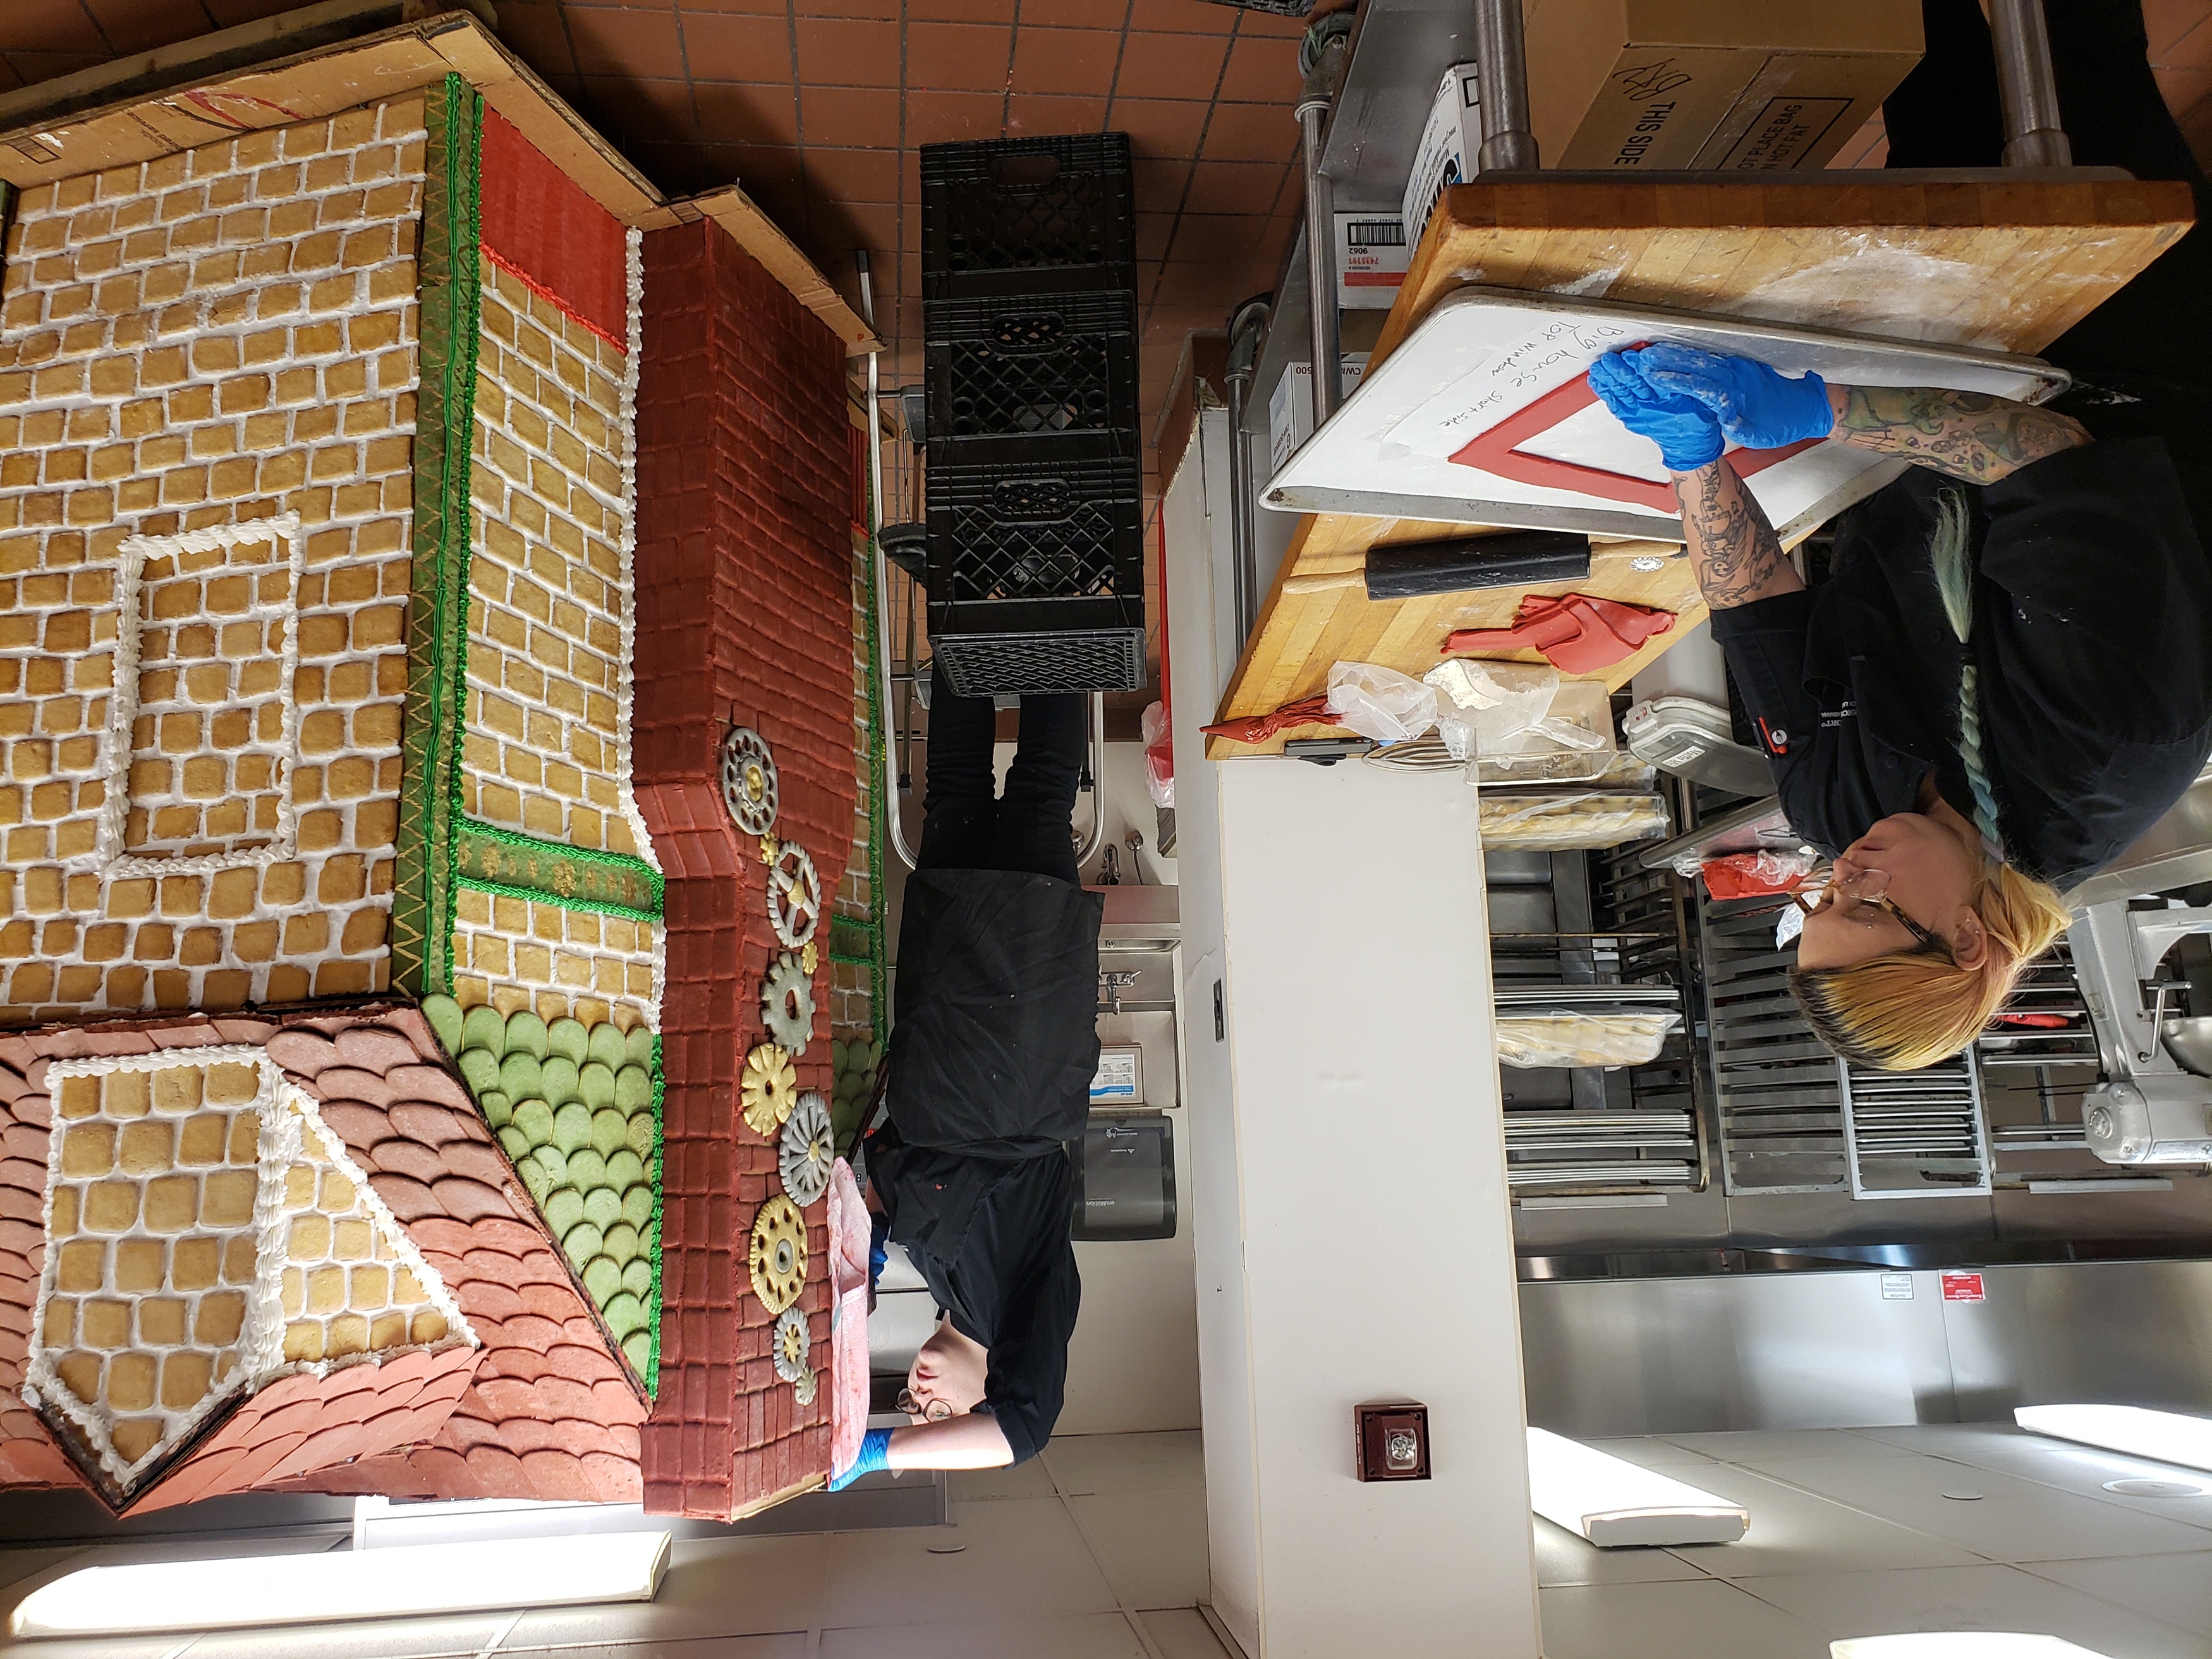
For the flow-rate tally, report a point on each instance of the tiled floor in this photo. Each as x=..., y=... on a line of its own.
x=1872, y=1532
x=1095, y=1550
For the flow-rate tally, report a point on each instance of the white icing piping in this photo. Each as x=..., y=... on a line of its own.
x=460, y=1333
x=106, y=856
x=41, y=1375
x=260, y=1349
x=626, y=554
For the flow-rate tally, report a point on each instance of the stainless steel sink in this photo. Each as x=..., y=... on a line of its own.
x=2189, y=1042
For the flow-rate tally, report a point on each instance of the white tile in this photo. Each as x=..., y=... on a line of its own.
x=1794, y=1531
x=1086, y=1636
x=1151, y=1545
x=2175, y=1589
x=381, y=1638
x=1650, y=1451
x=790, y=1645
x=2064, y=1464
x=1022, y=1558
x=2011, y=1520
x=1563, y=1559
x=1988, y=1597
x=1759, y=1447
x=715, y=1587
x=1704, y=1619
x=1083, y=1463
x=1029, y=1480
x=97, y=1647
x=1181, y=1633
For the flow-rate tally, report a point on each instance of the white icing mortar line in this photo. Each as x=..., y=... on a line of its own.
x=284, y=1113
x=106, y=856
x=626, y=552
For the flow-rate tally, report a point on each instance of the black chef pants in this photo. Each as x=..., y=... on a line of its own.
x=1945, y=114
x=964, y=826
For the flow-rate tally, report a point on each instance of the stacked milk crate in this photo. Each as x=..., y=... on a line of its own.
x=1035, y=486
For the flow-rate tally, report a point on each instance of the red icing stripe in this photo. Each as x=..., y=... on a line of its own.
x=538, y=223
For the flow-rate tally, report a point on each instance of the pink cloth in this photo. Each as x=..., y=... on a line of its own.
x=849, y=1317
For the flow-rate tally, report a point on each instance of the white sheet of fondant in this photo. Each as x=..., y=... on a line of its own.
x=1483, y=354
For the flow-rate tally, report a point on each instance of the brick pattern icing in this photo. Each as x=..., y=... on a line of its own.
x=207, y=1234
x=745, y=618
x=222, y=335
x=543, y=1409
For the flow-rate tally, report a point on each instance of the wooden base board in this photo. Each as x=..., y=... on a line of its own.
x=2006, y=265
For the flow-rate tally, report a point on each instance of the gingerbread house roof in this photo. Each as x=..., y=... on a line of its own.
x=493, y=1379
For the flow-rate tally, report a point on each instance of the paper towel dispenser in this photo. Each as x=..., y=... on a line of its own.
x=1125, y=1185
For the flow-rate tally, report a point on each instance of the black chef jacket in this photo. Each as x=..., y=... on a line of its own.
x=990, y=1068
x=2092, y=608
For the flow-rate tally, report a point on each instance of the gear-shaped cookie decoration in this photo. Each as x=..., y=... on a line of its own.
x=768, y=1089
x=748, y=775
x=794, y=896
x=790, y=1345
x=788, y=1002
x=777, y=1259
x=802, y=1388
x=808, y=1150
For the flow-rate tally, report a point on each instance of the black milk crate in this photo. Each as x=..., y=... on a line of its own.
x=1031, y=369
x=1062, y=529
x=1017, y=215
x=1082, y=645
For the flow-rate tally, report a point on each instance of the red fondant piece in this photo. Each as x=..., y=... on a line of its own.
x=1496, y=452
x=537, y=222
x=1258, y=728
x=1577, y=632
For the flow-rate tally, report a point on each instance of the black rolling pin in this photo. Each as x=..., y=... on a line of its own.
x=1410, y=570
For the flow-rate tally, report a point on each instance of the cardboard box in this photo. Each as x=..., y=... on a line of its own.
x=1717, y=85
x=1372, y=256
x=1290, y=406
x=1450, y=146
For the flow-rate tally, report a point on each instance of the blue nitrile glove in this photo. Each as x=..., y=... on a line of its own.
x=1756, y=406
x=875, y=1453
x=1687, y=434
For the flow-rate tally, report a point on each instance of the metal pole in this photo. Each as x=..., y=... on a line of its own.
x=890, y=782
x=1097, y=782
x=1502, y=78
x=1247, y=329
x=2034, y=134
x=1321, y=56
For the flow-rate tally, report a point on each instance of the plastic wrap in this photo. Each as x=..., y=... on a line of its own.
x=1381, y=703
x=1541, y=1040
x=1568, y=820
x=1610, y=769
x=1748, y=875
x=1160, y=755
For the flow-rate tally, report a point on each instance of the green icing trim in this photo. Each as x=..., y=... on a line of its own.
x=507, y=862
x=659, y=1183
x=447, y=276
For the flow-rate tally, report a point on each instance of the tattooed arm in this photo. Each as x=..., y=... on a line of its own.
x=1964, y=435
x=1733, y=548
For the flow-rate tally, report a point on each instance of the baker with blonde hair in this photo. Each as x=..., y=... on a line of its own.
x=2007, y=680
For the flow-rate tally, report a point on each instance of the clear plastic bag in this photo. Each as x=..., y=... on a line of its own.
x=1380, y=702
x=1611, y=769
x=1160, y=755
x=1565, y=820
x=1503, y=708
x=1540, y=1040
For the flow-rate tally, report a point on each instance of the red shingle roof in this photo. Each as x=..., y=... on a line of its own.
x=544, y=1409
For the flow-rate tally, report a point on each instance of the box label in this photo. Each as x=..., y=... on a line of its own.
x=1371, y=257
x=1784, y=133
x=1896, y=1287
x=1963, y=1287
x=1119, y=1077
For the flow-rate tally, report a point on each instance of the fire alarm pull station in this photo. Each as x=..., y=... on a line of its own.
x=1392, y=1441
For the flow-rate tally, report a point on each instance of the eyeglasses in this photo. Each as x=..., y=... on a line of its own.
x=1871, y=887
x=935, y=1411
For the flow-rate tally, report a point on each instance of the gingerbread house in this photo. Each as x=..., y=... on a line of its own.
x=428, y=708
